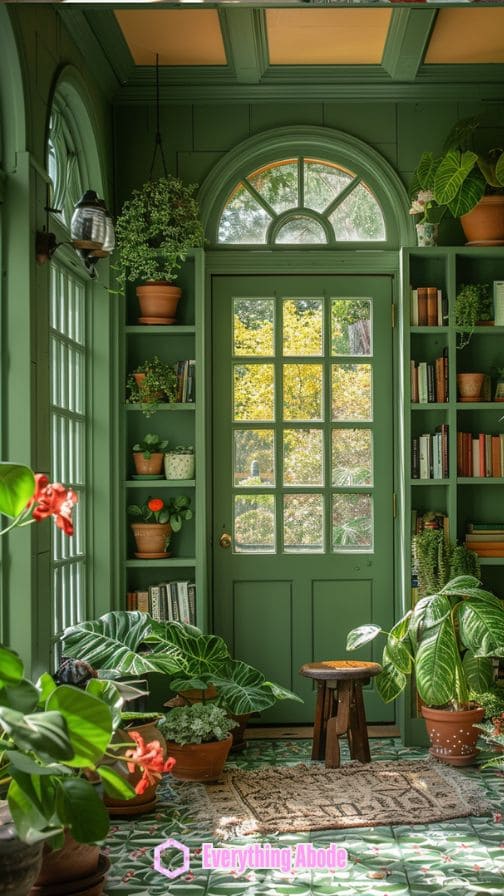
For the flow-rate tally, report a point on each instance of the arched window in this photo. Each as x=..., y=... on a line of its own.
x=63, y=162
x=301, y=201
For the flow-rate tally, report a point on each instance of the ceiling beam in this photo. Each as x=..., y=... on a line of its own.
x=407, y=39
x=244, y=35
x=85, y=39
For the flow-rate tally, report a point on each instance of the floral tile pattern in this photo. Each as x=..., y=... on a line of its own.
x=462, y=856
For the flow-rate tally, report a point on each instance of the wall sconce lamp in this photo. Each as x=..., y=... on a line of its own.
x=91, y=231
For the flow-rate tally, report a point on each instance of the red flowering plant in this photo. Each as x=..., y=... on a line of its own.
x=150, y=759
x=27, y=497
x=156, y=510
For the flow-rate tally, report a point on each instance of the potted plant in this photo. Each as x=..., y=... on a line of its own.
x=148, y=455
x=499, y=384
x=469, y=179
x=473, y=305
x=154, y=522
x=424, y=204
x=447, y=640
x=152, y=382
x=198, y=737
x=179, y=462
x=154, y=233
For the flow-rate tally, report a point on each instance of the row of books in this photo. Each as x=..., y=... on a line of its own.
x=486, y=539
x=166, y=602
x=429, y=454
x=480, y=454
x=186, y=385
x=429, y=380
x=429, y=307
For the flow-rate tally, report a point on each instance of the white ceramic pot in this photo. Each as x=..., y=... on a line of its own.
x=179, y=466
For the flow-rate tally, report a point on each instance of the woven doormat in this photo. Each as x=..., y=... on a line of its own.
x=286, y=799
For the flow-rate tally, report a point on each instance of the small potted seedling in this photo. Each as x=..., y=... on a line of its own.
x=148, y=455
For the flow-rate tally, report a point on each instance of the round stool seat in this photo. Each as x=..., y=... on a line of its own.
x=340, y=670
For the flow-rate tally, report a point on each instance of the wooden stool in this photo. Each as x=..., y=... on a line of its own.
x=340, y=708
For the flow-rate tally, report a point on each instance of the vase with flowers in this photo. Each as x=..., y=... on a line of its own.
x=153, y=523
x=427, y=231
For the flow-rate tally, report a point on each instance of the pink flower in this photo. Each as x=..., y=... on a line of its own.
x=53, y=499
x=148, y=757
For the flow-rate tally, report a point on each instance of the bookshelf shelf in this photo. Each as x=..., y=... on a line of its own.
x=179, y=423
x=456, y=500
x=159, y=483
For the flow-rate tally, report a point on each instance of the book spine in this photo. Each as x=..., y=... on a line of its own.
x=446, y=373
x=475, y=456
x=432, y=306
x=431, y=384
x=445, y=471
x=415, y=458
x=154, y=605
x=422, y=382
x=414, y=382
x=183, y=602
x=143, y=601
x=191, y=596
x=191, y=381
x=422, y=306
x=488, y=455
x=174, y=602
x=440, y=380
x=164, y=603
x=414, y=307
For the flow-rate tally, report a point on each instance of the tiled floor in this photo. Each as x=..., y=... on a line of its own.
x=464, y=857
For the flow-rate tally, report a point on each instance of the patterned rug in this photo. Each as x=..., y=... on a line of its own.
x=311, y=797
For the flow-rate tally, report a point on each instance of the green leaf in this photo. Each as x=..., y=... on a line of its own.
x=390, y=682
x=241, y=689
x=451, y=174
x=110, y=694
x=436, y=610
x=117, y=641
x=22, y=696
x=481, y=627
x=17, y=486
x=81, y=809
x=499, y=169
x=88, y=720
x=425, y=173
x=45, y=686
x=114, y=784
x=478, y=671
x=399, y=653
x=460, y=585
x=30, y=767
x=362, y=635
x=30, y=816
x=473, y=189
x=281, y=693
x=11, y=666
x=203, y=655
x=42, y=732
x=435, y=665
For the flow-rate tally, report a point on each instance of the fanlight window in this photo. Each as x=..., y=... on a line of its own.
x=63, y=166
x=301, y=201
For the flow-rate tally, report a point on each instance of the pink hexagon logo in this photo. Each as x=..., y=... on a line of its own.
x=173, y=845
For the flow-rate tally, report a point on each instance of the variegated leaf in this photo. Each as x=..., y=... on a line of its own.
x=436, y=660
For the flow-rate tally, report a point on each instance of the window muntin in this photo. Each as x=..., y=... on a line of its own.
x=301, y=201
x=67, y=347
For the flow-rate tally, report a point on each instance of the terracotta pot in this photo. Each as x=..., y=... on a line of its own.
x=148, y=467
x=199, y=762
x=73, y=861
x=195, y=696
x=158, y=300
x=452, y=733
x=91, y=885
x=151, y=538
x=469, y=386
x=19, y=862
x=142, y=802
x=484, y=224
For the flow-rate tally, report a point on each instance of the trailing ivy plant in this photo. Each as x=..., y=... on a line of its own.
x=158, y=385
x=473, y=303
x=155, y=231
x=437, y=561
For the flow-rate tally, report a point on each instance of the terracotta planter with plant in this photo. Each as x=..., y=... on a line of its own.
x=198, y=738
x=469, y=386
x=139, y=730
x=447, y=640
x=483, y=225
x=154, y=521
x=153, y=382
x=452, y=733
x=155, y=231
x=148, y=455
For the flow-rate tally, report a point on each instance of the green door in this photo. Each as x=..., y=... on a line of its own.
x=302, y=461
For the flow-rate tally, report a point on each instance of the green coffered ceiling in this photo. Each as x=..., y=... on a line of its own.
x=215, y=52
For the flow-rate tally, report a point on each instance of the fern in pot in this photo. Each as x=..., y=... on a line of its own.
x=199, y=738
x=155, y=231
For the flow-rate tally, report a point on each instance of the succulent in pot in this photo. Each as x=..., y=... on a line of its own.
x=148, y=454
x=448, y=641
x=179, y=462
x=199, y=739
x=155, y=231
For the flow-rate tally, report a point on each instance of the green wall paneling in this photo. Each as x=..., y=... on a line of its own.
x=179, y=424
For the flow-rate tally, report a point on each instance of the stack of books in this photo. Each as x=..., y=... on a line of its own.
x=186, y=387
x=429, y=454
x=429, y=519
x=429, y=380
x=480, y=454
x=485, y=539
x=166, y=602
x=429, y=308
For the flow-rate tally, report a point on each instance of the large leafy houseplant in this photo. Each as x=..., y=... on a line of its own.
x=465, y=172
x=155, y=230
x=131, y=642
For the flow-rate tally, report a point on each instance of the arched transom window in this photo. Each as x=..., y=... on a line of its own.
x=301, y=201
x=63, y=163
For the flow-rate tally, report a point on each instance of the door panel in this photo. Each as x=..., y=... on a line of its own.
x=302, y=461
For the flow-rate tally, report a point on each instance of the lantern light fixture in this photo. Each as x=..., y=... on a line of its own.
x=91, y=231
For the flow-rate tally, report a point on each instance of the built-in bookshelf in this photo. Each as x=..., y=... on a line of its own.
x=462, y=479
x=175, y=586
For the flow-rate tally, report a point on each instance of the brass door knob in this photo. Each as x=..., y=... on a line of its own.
x=225, y=540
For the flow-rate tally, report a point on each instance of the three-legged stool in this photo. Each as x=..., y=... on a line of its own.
x=340, y=708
